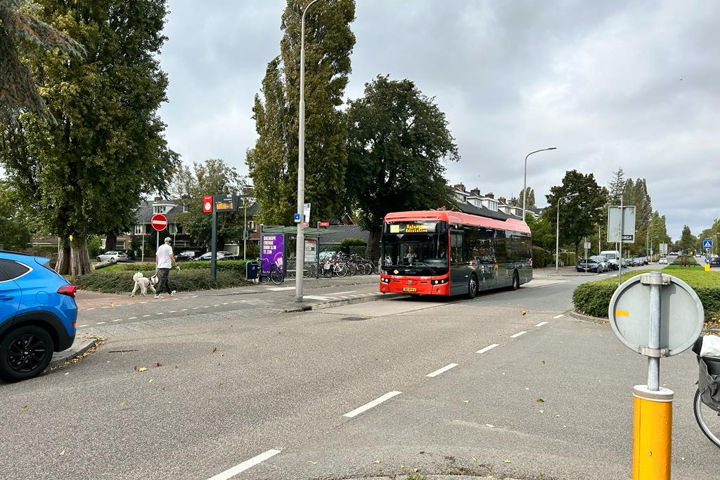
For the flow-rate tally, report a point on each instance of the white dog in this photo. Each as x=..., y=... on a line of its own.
x=142, y=283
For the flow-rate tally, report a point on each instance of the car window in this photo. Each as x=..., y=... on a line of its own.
x=10, y=270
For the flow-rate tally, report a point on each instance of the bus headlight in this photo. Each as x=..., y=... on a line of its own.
x=439, y=282
x=385, y=280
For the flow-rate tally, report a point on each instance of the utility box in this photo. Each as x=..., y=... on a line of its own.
x=251, y=270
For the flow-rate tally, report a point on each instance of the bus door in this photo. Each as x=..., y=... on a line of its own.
x=485, y=254
x=459, y=269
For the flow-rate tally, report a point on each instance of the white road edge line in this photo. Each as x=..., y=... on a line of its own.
x=559, y=316
x=541, y=324
x=231, y=472
x=372, y=404
x=518, y=334
x=488, y=348
x=442, y=370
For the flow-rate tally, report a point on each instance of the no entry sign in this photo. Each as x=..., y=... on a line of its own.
x=159, y=222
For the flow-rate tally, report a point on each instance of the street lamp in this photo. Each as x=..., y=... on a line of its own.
x=524, y=192
x=557, y=230
x=300, y=237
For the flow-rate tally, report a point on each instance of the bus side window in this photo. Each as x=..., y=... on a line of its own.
x=456, y=248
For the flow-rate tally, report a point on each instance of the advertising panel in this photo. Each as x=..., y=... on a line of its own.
x=273, y=250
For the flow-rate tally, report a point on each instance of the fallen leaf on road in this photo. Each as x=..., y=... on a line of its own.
x=311, y=462
x=122, y=404
x=507, y=461
x=24, y=406
x=214, y=350
x=139, y=369
x=158, y=364
x=522, y=312
x=540, y=400
x=466, y=401
x=151, y=380
x=376, y=461
x=62, y=453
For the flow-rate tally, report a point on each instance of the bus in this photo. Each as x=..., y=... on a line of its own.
x=442, y=252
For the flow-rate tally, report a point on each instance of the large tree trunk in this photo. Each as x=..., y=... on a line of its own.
x=373, y=246
x=73, y=259
x=63, y=262
x=110, y=241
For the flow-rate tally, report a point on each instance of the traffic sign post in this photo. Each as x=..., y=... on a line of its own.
x=159, y=223
x=707, y=244
x=655, y=315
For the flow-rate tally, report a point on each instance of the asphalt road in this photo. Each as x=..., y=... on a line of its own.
x=378, y=388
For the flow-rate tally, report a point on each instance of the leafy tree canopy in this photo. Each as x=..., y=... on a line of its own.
x=397, y=141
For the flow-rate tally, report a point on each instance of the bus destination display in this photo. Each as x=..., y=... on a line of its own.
x=412, y=227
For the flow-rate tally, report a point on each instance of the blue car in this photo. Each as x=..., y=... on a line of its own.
x=37, y=315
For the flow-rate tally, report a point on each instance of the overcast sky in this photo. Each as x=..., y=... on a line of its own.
x=609, y=83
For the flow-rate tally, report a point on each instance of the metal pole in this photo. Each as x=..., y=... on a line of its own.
x=524, y=192
x=213, y=245
x=654, y=337
x=245, y=232
x=300, y=237
x=622, y=231
x=557, y=235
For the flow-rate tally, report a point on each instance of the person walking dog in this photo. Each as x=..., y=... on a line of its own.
x=164, y=261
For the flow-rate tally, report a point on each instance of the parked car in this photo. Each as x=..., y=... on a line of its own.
x=221, y=255
x=587, y=265
x=185, y=256
x=715, y=262
x=627, y=262
x=37, y=315
x=613, y=257
x=603, y=262
x=663, y=261
x=112, y=256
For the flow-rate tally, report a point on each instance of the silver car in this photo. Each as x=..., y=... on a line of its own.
x=112, y=256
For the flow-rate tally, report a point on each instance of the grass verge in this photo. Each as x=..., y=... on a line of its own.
x=593, y=298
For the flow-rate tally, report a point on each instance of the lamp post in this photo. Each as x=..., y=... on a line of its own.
x=557, y=230
x=300, y=237
x=524, y=192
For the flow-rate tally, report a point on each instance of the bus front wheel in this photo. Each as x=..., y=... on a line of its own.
x=472, y=287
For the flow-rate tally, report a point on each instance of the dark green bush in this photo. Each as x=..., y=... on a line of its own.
x=539, y=257
x=593, y=298
x=685, y=260
x=183, y=281
x=222, y=265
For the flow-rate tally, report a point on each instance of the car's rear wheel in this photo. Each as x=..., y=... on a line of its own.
x=25, y=353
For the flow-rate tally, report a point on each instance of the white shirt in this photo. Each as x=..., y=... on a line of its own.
x=163, y=256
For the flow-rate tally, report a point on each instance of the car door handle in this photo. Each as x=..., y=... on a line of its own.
x=3, y=297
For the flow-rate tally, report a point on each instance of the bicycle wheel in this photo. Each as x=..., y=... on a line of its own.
x=340, y=269
x=276, y=276
x=708, y=419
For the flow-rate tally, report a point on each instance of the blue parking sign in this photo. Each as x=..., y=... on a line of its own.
x=707, y=244
x=297, y=217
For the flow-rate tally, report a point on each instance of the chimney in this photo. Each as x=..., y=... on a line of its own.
x=459, y=186
x=490, y=195
x=475, y=191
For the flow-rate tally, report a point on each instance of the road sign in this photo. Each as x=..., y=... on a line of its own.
x=587, y=245
x=707, y=244
x=159, y=222
x=207, y=204
x=681, y=315
x=226, y=203
x=615, y=218
x=306, y=213
x=297, y=217
x=663, y=249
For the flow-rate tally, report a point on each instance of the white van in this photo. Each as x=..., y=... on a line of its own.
x=613, y=257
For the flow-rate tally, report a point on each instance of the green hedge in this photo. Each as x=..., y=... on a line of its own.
x=593, y=298
x=539, y=257
x=183, y=281
x=222, y=265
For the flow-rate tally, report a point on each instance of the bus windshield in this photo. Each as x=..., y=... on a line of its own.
x=409, y=250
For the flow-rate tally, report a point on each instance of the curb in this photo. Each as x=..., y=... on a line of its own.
x=588, y=318
x=61, y=357
x=344, y=301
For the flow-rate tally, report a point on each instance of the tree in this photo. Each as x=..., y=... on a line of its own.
x=213, y=177
x=543, y=232
x=15, y=223
x=657, y=231
x=85, y=173
x=18, y=26
x=582, y=209
x=397, y=139
x=272, y=164
x=530, y=202
x=616, y=186
x=687, y=239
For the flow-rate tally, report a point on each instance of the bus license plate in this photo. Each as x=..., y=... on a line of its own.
x=409, y=289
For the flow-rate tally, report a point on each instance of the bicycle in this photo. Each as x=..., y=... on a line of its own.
x=273, y=272
x=706, y=403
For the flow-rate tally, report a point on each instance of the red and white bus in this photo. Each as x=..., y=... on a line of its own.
x=439, y=252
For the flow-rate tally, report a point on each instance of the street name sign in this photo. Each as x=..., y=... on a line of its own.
x=621, y=223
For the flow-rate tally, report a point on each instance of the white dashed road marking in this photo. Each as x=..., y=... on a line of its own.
x=132, y=318
x=488, y=348
x=518, y=334
x=100, y=323
x=541, y=324
x=372, y=404
x=81, y=326
x=227, y=474
x=559, y=316
x=442, y=370
x=280, y=289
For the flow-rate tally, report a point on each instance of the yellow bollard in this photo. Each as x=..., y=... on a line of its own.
x=707, y=267
x=652, y=433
